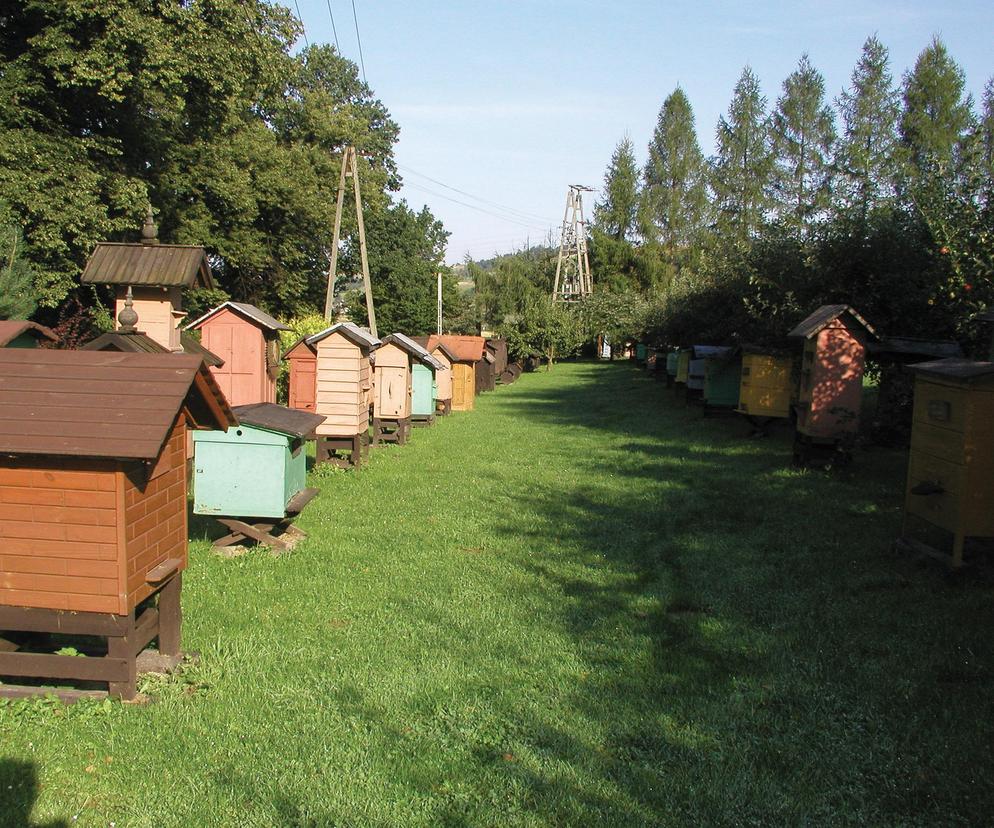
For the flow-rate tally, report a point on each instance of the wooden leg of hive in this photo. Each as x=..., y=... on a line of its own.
x=959, y=540
x=122, y=647
x=170, y=616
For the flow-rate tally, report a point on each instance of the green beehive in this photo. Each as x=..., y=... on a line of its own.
x=672, y=359
x=722, y=376
x=640, y=352
x=256, y=468
x=424, y=391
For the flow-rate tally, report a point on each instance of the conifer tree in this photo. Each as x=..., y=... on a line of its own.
x=740, y=171
x=615, y=215
x=674, y=198
x=937, y=114
x=802, y=138
x=865, y=156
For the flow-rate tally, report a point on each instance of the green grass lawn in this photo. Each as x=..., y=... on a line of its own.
x=579, y=605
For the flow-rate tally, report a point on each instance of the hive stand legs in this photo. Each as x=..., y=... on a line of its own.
x=356, y=448
x=127, y=637
x=391, y=431
x=443, y=408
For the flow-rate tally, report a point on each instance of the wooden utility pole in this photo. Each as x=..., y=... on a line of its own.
x=573, y=279
x=350, y=168
x=439, y=325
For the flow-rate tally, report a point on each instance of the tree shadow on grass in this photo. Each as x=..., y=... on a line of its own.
x=18, y=792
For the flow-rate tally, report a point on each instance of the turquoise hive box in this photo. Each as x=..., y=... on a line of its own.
x=257, y=468
x=424, y=391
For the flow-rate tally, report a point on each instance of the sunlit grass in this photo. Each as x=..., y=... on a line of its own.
x=580, y=604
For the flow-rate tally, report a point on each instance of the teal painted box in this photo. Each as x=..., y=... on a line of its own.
x=722, y=378
x=641, y=352
x=672, y=358
x=424, y=391
x=253, y=469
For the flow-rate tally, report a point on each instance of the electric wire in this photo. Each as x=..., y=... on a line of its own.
x=362, y=64
x=514, y=210
x=509, y=219
x=334, y=30
x=303, y=28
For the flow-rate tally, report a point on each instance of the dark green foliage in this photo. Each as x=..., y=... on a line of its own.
x=615, y=216
x=17, y=277
x=802, y=133
x=742, y=168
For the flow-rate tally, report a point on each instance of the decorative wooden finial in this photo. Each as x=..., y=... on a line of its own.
x=150, y=232
x=128, y=317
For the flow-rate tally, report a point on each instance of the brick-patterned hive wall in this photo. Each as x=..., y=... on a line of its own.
x=155, y=514
x=58, y=534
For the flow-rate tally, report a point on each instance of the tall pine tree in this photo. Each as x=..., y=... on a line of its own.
x=865, y=155
x=802, y=138
x=615, y=214
x=674, y=198
x=740, y=171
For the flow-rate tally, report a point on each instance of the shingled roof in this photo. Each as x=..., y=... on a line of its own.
x=351, y=331
x=137, y=342
x=273, y=417
x=419, y=352
x=462, y=348
x=966, y=370
x=10, y=329
x=102, y=404
x=158, y=265
x=826, y=314
x=250, y=312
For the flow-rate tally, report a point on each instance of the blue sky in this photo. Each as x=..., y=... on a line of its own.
x=510, y=102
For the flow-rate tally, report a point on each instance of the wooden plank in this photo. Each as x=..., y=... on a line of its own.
x=29, y=619
x=63, y=694
x=300, y=500
x=44, y=665
x=164, y=570
x=146, y=628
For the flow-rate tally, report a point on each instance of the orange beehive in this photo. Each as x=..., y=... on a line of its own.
x=830, y=390
x=467, y=351
x=303, y=381
x=248, y=340
x=93, y=486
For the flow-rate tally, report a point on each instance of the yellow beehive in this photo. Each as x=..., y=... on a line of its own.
x=766, y=387
x=683, y=364
x=951, y=468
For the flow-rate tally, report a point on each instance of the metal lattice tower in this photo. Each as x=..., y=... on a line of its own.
x=573, y=279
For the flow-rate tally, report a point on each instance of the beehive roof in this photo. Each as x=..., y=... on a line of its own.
x=10, y=329
x=416, y=350
x=273, y=417
x=965, y=370
x=713, y=351
x=910, y=346
x=160, y=265
x=138, y=342
x=351, y=331
x=300, y=343
x=823, y=316
x=462, y=348
x=103, y=404
x=250, y=312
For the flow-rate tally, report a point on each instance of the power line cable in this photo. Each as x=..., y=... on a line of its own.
x=362, y=63
x=522, y=213
x=510, y=219
x=303, y=28
x=334, y=30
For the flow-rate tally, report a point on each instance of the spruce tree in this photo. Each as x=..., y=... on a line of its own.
x=740, y=171
x=675, y=194
x=615, y=215
x=865, y=156
x=802, y=138
x=937, y=115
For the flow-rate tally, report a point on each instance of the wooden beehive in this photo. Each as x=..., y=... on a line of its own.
x=830, y=386
x=466, y=353
x=683, y=364
x=498, y=347
x=949, y=498
x=302, y=359
x=20, y=333
x=641, y=352
x=344, y=379
x=722, y=375
x=157, y=274
x=443, y=377
x=257, y=468
x=486, y=372
x=248, y=340
x=765, y=386
x=93, y=445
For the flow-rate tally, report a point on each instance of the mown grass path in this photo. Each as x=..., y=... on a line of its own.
x=578, y=605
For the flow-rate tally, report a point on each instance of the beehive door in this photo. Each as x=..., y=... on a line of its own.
x=391, y=392
x=303, y=384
